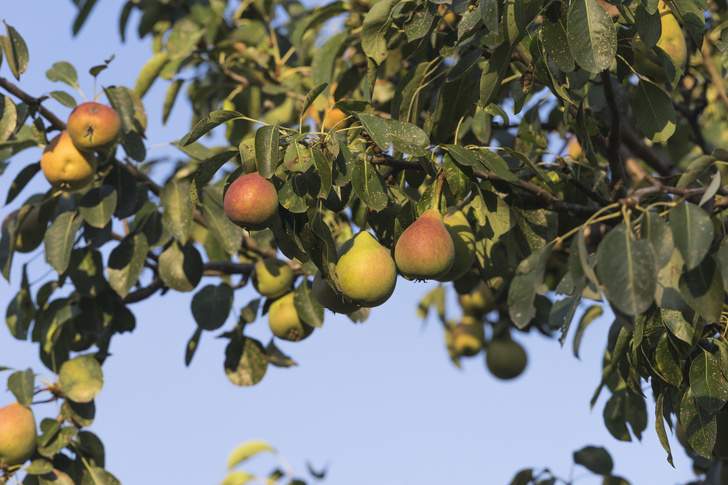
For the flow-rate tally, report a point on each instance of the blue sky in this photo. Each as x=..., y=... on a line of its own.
x=378, y=403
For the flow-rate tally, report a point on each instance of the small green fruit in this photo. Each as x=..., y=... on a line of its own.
x=464, y=243
x=284, y=321
x=326, y=295
x=272, y=277
x=425, y=249
x=366, y=271
x=17, y=434
x=505, y=358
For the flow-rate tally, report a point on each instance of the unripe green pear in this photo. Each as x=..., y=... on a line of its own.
x=326, y=295
x=672, y=41
x=17, y=434
x=284, y=321
x=366, y=271
x=463, y=241
x=272, y=277
x=425, y=249
x=468, y=337
x=251, y=202
x=505, y=358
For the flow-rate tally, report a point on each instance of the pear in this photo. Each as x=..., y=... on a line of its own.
x=272, y=277
x=284, y=321
x=251, y=202
x=672, y=41
x=326, y=295
x=425, y=249
x=464, y=242
x=468, y=337
x=366, y=271
x=505, y=358
x=65, y=166
x=478, y=302
x=17, y=434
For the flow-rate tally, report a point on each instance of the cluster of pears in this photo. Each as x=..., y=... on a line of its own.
x=672, y=41
x=17, y=435
x=251, y=202
x=68, y=161
x=436, y=247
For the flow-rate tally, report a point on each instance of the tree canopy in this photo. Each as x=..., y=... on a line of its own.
x=529, y=156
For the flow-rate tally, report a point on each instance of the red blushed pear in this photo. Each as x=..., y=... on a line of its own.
x=425, y=249
x=94, y=126
x=17, y=434
x=251, y=202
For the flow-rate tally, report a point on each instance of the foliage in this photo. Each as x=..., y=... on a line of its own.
x=475, y=113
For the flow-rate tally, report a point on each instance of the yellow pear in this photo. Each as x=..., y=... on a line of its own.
x=65, y=166
x=284, y=321
x=464, y=243
x=366, y=271
x=17, y=434
x=272, y=277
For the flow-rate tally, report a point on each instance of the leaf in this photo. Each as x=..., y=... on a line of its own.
x=60, y=238
x=677, y=325
x=494, y=72
x=126, y=263
x=716, y=183
x=657, y=231
x=21, y=310
x=81, y=378
x=83, y=13
x=205, y=125
x=277, y=357
x=498, y=166
x=369, y=185
x=527, y=282
x=246, y=450
x=213, y=215
x=178, y=211
x=180, y=267
x=150, y=72
x=653, y=111
x=627, y=270
x=266, y=150
x=64, y=98
x=211, y=306
x=98, y=205
x=702, y=289
x=374, y=30
x=408, y=139
x=245, y=361
x=206, y=171
x=591, y=314
x=8, y=118
x=556, y=41
x=377, y=128
x=692, y=232
x=700, y=426
x=16, y=51
x=308, y=308
x=169, y=99
x=591, y=34
x=21, y=180
x=63, y=72
x=595, y=458
x=311, y=97
x=192, y=344
x=660, y=426
x=99, y=476
x=184, y=38
x=22, y=385
x=707, y=383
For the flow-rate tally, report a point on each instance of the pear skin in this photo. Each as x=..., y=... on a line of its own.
x=284, y=321
x=251, y=202
x=65, y=166
x=326, y=295
x=464, y=243
x=17, y=434
x=272, y=277
x=505, y=358
x=425, y=249
x=672, y=41
x=366, y=271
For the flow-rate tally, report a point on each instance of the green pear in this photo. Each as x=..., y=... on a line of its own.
x=425, y=249
x=672, y=41
x=505, y=358
x=366, y=271
x=284, y=321
x=17, y=434
x=468, y=337
x=326, y=295
x=464, y=242
x=272, y=277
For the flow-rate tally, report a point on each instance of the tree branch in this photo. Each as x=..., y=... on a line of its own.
x=656, y=161
x=614, y=139
x=34, y=102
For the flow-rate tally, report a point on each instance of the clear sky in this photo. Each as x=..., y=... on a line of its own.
x=378, y=403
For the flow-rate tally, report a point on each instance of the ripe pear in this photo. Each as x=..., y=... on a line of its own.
x=334, y=118
x=30, y=230
x=326, y=295
x=366, y=271
x=284, y=321
x=94, y=126
x=425, y=249
x=272, y=277
x=468, y=337
x=65, y=166
x=17, y=434
x=505, y=358
x=251, y=202
x=672, y=41
x=464, y=243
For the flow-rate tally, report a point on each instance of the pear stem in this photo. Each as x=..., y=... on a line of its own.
x=438, y=190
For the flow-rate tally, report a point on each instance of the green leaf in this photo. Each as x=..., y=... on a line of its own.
x=700, y=426
x=8, y=118
x=246, y=450
x=294, y=193
x=526, y=284
x=675, y=322
x=180, y=267
x=653, y=111
x=277, y=357
x=63, y=72
x=245, y=361
x=99, y=476
x=21, y=310
x=126, y=263
x=205, y=125
x=22, y=385
x=192, y=344
x=595, y=458
x=206, y=171
x=170, y=97
x=86, y=271
x=311, y=97
x=81, y=378
x=627, y=270
x=308, y=308
x=150, y=72
x=668, y=362
x=494, y=72
x=369, y=185
x=266, y=150
x=592, y=35
x=83, y=13
x=702, y=289
x=374, y=30
x=692, y=232
x=408, y=139
x=227, y=234
x=707, y=383
x=556, y=41
x=324, y=171
x=657, y=231
x=184, y=38
x=377, y=129
x=660, y=425
x=98, y=205
x=60, y=238
x=211, y=306
x=16, y=51
x=64, y=98
x=21, y=180
x=39, y=466
x=722, y=258
x=178, y=211
x=591, y=314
